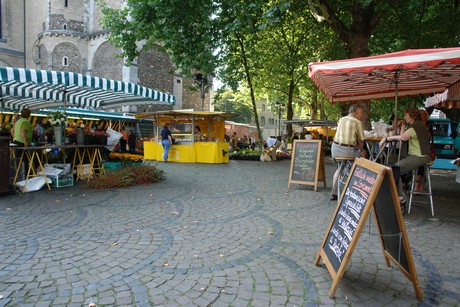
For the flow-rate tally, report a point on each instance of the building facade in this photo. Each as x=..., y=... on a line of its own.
x=65, y=35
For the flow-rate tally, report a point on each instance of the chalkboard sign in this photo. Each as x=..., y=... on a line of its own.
x=389, y=225
x=370, y=185
x=351, y=208
x=307, y=163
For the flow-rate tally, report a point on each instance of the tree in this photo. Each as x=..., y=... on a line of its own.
x=234, y=102
x=353, y=22
x=289, y=38
x=185, y=29
x=387, y=26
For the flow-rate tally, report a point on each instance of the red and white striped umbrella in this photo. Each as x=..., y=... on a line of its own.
x=398, y=74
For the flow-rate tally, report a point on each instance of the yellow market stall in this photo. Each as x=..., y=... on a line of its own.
x=191, y=146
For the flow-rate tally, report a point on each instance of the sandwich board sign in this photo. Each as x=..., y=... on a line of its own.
x=307, y=163
x=370, y=185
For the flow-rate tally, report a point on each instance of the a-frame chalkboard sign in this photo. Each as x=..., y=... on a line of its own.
x=307, y=163
x=370, y=185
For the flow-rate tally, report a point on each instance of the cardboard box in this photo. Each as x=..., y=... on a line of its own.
x=65, y=168
x=60, y=181
x=84, y=171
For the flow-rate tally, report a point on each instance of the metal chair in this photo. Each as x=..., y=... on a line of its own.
x=344, y=167
x=426, y=192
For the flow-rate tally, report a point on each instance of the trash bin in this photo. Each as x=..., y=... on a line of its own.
x=5, y=165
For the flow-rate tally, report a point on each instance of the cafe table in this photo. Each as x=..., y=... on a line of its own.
x=372, y=145
x=382, y=155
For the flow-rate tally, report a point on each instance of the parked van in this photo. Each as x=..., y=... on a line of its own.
x=443, y=137
x=457, y=139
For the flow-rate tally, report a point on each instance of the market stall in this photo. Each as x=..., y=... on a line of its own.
x=191, y=146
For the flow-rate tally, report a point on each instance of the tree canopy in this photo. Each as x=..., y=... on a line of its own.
x=265, y=46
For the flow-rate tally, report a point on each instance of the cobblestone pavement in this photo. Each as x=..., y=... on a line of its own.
x=213, y=235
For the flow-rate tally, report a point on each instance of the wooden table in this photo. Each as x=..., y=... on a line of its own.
x=37, y=155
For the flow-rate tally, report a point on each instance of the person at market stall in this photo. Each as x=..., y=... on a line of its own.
x=166, y=141
x=197, y=133
x=123, y=139
x=234, y=141
x=420, y=179
x=15, y=119
x=132, y=142
x=23, y=133
x=418, y=151
x=348, y=140
x=23, y=130
x=273, y=143
x=39, y=133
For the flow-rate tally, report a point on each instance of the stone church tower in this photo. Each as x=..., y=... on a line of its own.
x=65, y=35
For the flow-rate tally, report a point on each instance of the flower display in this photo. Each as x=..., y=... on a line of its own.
x=72, y=129
x=57, y=118
x=101, y=132
x=5, y=128
x=125, y=156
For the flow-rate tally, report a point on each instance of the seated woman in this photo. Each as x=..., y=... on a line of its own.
x=419, y=148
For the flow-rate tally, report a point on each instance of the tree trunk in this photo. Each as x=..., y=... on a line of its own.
x=314, y=103
x=289, y=112
x=322, y=114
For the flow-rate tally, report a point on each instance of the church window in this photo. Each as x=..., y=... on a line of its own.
x=65, y=61
x=66, y=3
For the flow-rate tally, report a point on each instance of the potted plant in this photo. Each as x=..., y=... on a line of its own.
x=58, y=121
x=101, y=137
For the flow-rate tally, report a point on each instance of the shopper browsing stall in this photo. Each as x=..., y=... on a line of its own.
x=166, y=141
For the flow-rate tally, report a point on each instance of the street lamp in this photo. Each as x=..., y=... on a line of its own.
x=204, y=81
x=279, y=107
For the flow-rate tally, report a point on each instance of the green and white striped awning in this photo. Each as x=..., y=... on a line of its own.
x=37, y=89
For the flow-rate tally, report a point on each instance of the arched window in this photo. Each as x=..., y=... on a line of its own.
x=65, y=61
x=66, y=3
x=64, y=26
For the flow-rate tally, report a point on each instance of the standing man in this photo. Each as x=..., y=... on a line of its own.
x=234, y=141
x=166, y=141
x=124, y=139
x=349, y=139
x=132, y=142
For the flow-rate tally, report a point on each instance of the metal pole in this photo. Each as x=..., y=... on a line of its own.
x=279, y=121
x=203, y=92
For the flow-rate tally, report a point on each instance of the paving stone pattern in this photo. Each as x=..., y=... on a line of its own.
x=213, y=235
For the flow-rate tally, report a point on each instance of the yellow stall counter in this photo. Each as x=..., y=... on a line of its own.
x=199, y=152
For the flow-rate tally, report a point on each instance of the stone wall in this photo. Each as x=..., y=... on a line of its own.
x=73, y=55
x=156, y=70
x=57, y=22
x=106, y=62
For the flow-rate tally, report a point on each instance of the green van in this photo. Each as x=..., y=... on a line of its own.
x=443, y=137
